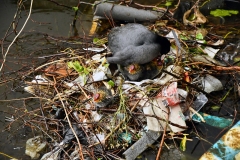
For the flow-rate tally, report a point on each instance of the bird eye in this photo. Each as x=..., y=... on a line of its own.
x=96, y=96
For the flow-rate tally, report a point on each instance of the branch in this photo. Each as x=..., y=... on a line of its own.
x=4, y=55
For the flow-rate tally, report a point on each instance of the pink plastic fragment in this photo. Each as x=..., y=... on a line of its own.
x=170, y=95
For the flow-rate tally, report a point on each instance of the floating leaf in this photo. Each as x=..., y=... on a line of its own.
x=183, y=142
x=215, y=108
x=76, y=66
x=111, y=83
x=199, y=36
x=197, y=17
x=223, y=13
x=168, y=3
x=86, y=70
x=192, y=17
x=236, y=58
x=84, y=77
x=99, y=42
x=106, y=65
x=183, y=37
x=196, y=50
x=95, y=40
x=75, y=9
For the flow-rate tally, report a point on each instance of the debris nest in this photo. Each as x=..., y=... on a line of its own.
x=90, y=109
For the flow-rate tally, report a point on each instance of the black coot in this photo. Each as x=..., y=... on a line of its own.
x=135, y=44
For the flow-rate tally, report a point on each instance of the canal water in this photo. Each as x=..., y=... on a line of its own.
x=46, y=18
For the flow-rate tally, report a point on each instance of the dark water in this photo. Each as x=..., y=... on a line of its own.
x=47, y=18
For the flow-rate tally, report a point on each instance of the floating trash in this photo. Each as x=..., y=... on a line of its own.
x=34, y=146
x=227, y=147
x=214, y=121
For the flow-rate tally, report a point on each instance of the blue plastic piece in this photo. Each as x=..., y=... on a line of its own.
x=214, y=121
x=226, y=147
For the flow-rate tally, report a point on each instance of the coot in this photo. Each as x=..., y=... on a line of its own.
x=135, y=44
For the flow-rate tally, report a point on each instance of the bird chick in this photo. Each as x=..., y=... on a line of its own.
x=132, y=72
x=136, y=72
x=102, y=97
x=152, y=69
x=135, y=44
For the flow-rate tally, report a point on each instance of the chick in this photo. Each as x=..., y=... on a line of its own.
x=135, y=44
x=102, y=97
x=132, y=72
x=152, y=69
x=136, y=72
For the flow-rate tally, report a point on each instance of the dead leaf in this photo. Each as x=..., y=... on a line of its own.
x=198, y=17
x=58, y=70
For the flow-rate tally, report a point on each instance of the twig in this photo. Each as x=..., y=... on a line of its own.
x=41, y=109
x=176, y=6
x=149, y=6
x=163, y=136
x=231, y=68
x=46, y=64
x=70, y=124
x=6, y=155
x=13, y=24
x=4, y=55
x=59, y=4
x=195, y=112
x=161, y=119
x=124, y=119
x=193, y=86
x=75, y=16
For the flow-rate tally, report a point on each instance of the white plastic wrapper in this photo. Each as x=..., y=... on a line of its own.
x=157, y=108
x=94, y=49
x=210, y=84
x=96, y=116
x=101, y=73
